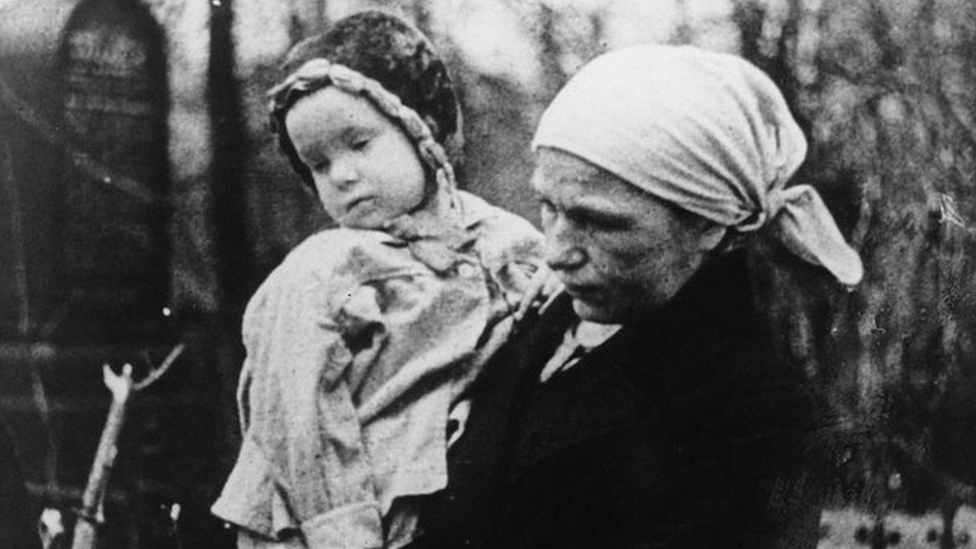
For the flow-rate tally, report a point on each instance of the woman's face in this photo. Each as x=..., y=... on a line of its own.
x=619, y=250
x=365, y=169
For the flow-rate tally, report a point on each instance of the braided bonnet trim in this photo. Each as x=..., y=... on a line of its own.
x=318, y=73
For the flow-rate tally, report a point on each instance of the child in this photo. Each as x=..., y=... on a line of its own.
x=360, y=345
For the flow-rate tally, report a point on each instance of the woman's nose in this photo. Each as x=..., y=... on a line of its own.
x=563, y=253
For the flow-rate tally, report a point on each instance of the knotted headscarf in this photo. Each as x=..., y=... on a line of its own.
x=705, y=131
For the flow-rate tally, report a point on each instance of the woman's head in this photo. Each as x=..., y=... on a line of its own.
x=386, y=65
x=618, y=250
x=700, y=132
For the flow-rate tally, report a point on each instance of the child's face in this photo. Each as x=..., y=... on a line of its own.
x=365, y=168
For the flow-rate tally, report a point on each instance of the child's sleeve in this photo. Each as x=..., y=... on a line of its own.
x=303, y=463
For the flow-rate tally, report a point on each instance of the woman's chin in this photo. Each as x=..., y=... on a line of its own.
x=595, y=312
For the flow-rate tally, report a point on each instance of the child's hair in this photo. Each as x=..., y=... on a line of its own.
x=384, y=48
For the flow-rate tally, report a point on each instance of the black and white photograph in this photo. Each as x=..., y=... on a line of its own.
x=487, y=274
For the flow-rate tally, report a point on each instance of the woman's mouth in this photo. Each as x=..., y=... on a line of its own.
x=582, y=291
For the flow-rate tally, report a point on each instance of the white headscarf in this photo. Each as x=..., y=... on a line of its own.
x=705, y=131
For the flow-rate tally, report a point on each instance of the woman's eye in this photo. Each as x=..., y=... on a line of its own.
x=545, y=204
x=600, y=221
x=545, y=209
x=359, y=144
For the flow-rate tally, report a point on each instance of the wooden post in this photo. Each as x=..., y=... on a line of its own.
x=90, y=515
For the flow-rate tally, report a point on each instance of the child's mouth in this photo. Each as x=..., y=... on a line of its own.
x=359, y=203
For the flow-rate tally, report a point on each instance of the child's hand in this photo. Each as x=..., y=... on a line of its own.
x=542, y=288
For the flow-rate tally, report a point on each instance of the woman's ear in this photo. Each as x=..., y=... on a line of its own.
x=713, y=235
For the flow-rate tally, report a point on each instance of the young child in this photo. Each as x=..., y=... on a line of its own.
x=360, y=345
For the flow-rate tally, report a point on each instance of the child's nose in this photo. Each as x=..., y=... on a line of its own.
x=343, y=172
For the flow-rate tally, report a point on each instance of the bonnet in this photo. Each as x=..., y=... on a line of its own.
x=385, y=59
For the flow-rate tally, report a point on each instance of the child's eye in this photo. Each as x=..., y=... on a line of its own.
x=319, y=166
x=359, y=143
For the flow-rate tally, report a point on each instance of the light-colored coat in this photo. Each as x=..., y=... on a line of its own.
x=359, y=347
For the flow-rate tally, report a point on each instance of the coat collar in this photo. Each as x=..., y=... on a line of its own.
x=437, y=241
x=623, y=383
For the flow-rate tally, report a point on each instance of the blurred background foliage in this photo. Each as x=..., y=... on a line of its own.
x=883, y=89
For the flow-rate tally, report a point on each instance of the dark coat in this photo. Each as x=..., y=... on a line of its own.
x=681, y=431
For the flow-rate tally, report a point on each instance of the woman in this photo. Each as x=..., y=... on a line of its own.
x=647, y=407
